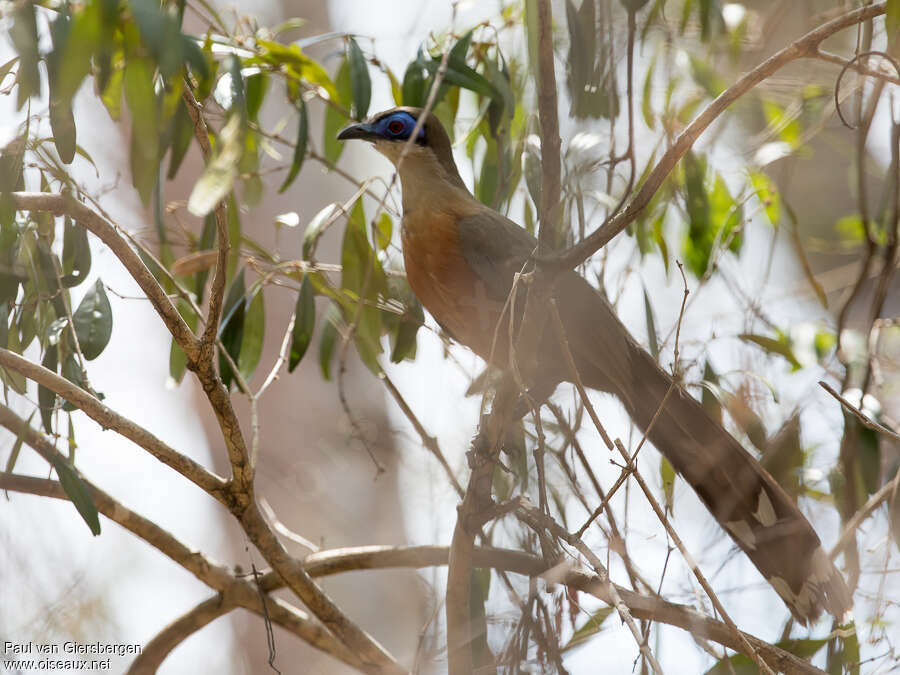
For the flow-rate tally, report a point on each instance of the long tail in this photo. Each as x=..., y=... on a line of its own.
x=742, y=496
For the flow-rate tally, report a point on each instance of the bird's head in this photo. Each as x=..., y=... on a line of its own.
x=389, y=132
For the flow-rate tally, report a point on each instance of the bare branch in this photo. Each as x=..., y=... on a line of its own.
x=337, y=561
x=217, y=290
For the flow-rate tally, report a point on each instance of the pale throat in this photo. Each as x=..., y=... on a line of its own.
x=424, y=181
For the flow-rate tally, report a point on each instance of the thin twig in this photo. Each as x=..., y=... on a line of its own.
x=429, y=441
x=217, y=290
x=856, y=412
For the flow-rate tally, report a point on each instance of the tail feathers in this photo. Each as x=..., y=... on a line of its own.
x=743, y=497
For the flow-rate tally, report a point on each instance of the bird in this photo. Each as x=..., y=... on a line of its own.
x=461, y=258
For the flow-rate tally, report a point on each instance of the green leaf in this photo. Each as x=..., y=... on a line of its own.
x=667, y=476
x=462, y=75
x=396, y=90
x=413, y=90
x=46, y=398
x=647, y=95
x=142, y=104
x=651, y=327
x=62, y=120
x=297, y=64
x=7, y=67
x=384, y=230
x=590, y=628
x=76, y=259
x=699, y=239
x=78, y=493
x=334, y=118
x=788, y=128
x=363, y=277
x=360, y=82
x=177, y=357
x=780, y=346
x=231, y=331
x=824, y=342
x=708, y=400
x=304, y=323
x=852, y=231
x=257, y=84
x=254, y=332
x=25, y=40
x=84, y=36
x=844, y=658
x=299, y=146
x=328, y=339
x=141, y=100
x=892, y=22
x=93, y=322
x=407, y=329
x=182, y=134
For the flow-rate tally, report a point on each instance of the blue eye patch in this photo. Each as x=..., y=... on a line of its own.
x=397, y=127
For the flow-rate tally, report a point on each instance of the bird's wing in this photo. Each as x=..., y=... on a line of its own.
x=495, y=248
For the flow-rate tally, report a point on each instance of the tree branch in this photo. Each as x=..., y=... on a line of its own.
x=109, y=419
x=642, y=607
x=374, y=657
x=217, y=290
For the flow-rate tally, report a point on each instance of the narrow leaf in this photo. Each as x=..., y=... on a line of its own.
x=299, y=147
x=304, y=323
x=360, y=82
x=79, y=493
x=328, y=339
x=254, y=332
x=651, y=327
x=590, y=628
x=93, y=322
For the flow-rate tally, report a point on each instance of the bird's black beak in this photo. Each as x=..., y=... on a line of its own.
x=362, y=130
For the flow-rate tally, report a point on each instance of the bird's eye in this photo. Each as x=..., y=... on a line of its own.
x=396, y=126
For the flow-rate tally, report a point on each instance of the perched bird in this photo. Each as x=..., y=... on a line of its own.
x=461, y=258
